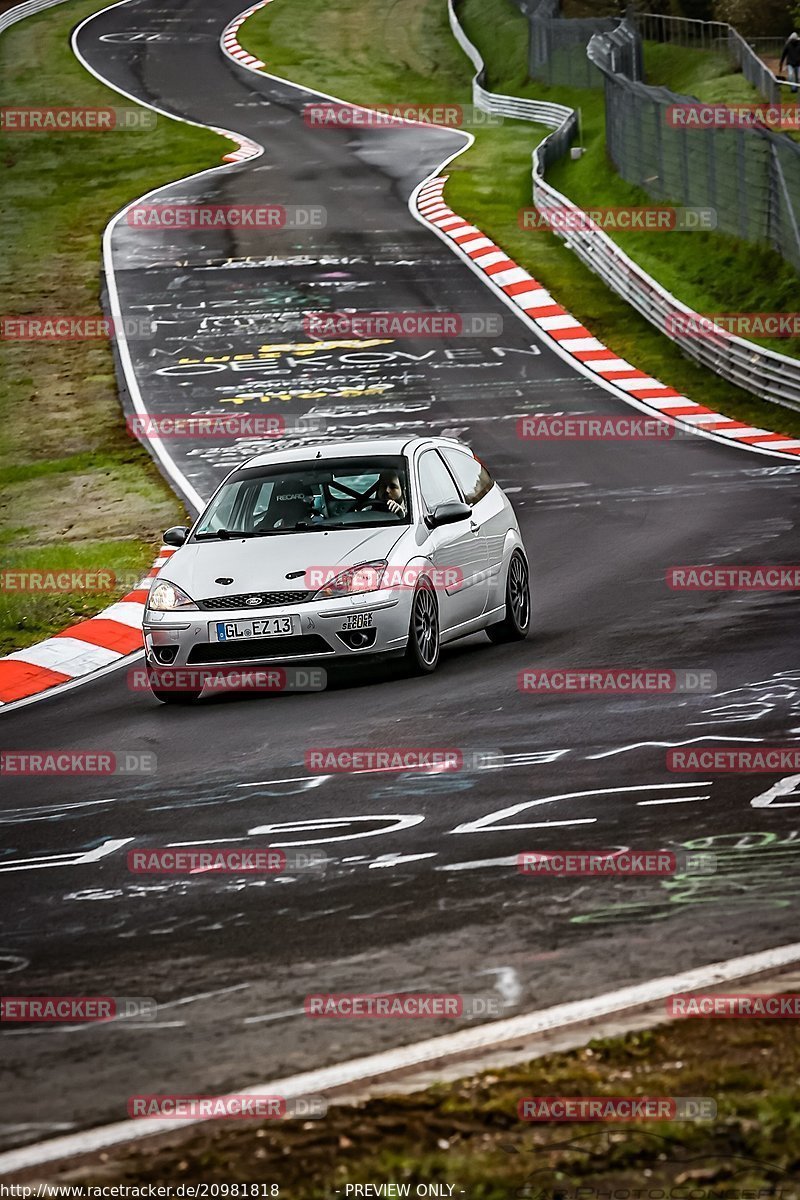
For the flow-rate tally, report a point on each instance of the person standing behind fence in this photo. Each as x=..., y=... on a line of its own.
x=791, y=55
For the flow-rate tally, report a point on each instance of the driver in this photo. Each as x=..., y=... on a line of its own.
x=389, y=491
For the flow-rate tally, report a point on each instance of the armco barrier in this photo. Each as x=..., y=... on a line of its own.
x=29, y=9
x=494, y=102
x=765, y=373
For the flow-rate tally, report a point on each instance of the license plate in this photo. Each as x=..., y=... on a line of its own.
x=258, y=627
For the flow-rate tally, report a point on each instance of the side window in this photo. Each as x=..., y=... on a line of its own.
x=435, y=481
x=475, y=480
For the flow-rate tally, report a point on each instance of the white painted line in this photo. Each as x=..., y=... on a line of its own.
x=377, y=1066
x=670, y=800
x=276, y=1016
x=235, y=987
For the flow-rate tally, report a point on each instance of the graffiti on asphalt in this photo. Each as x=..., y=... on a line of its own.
x=754, y=869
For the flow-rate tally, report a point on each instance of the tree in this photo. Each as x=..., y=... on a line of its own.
x=756, y=18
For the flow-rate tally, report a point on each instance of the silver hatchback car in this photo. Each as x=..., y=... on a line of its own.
x=349, y=551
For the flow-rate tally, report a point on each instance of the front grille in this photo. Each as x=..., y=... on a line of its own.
x=263, y=648
x=268, y=600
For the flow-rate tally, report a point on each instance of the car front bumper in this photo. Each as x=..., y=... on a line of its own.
x=183, y=638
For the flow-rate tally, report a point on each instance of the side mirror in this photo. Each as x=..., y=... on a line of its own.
x=448, y=514
x=176, y=536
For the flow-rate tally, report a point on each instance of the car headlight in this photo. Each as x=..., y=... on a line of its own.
x=165, y=597
x=366, y=577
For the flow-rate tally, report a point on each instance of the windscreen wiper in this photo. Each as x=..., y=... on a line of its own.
x=221, y=533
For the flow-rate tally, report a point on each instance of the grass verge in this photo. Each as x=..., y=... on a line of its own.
x=468, y=1135
x=76, y=490
x=362, y=51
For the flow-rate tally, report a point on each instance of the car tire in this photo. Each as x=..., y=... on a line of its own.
x=170, y=695
x=516, y=623
x=422, y=652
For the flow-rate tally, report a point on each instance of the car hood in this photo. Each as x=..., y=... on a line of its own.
x=262, y=563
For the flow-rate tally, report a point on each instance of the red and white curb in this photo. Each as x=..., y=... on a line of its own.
x=245, y=148
x=230, y=40
x=574, y=339
x=82, y=649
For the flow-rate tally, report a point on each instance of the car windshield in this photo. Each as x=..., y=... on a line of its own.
x=306, y=496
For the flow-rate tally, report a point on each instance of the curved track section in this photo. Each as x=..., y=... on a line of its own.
x=421, y=891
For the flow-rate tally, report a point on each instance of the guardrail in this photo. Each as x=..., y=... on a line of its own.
x=494, y=102
x=765, y=373
x=20, y=11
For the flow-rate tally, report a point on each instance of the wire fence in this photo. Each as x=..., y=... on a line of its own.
x=713, y=36
x=557, y=48
x=747, y=174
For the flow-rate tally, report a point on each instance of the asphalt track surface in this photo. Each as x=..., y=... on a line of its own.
x=421, y=893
